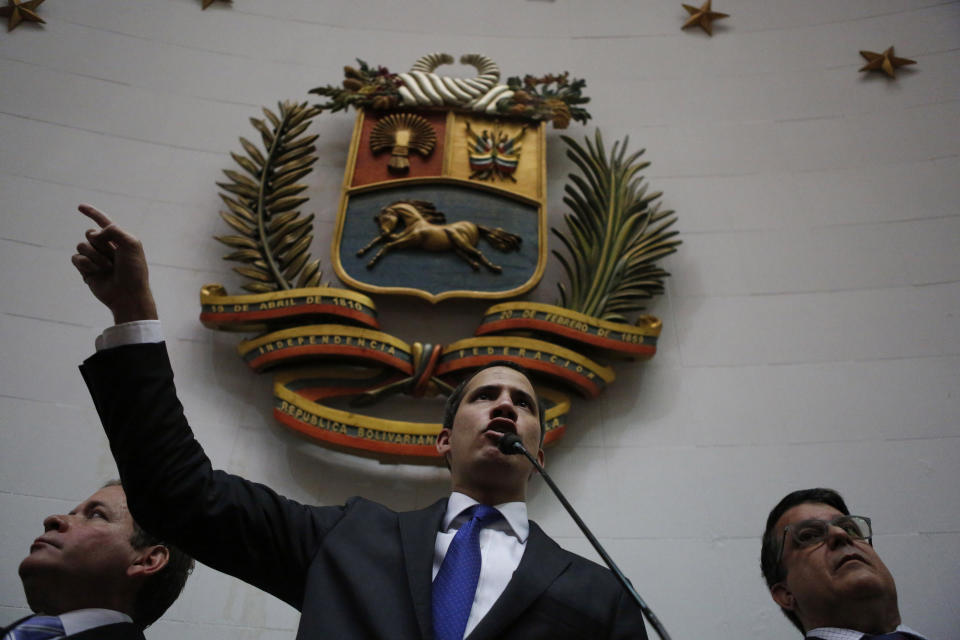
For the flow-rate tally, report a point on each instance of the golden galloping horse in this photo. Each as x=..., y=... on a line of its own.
x=417, y=223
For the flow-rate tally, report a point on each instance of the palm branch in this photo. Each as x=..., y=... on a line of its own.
x=615, y=233
x=272, y=238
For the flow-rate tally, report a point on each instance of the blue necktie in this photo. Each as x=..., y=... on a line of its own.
x=456, y=582
x=37, y=628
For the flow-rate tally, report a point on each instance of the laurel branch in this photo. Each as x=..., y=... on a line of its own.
x=272, y=239
x=615, y=233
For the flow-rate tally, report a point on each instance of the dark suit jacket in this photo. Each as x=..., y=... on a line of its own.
x=355, y=571
x=119, y=631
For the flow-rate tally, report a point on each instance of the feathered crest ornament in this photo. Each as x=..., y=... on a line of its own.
x=273, y=237
x=615, y=234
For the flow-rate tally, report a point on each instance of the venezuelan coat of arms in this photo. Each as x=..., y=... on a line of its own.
x=444, y=196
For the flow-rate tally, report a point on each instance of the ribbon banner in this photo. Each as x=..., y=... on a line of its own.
x=638, y=341
x=259, y=312
x=328, y=350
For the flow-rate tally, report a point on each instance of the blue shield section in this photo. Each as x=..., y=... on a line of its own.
x=438, y=272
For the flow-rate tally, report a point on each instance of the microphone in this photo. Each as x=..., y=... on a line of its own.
x=511, y=444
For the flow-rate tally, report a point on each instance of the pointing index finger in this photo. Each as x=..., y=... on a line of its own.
x=96, y=215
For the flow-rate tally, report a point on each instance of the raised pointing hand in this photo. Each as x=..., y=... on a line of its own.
x=114, y=266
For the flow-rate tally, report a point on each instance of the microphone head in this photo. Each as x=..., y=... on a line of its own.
x=510, y=444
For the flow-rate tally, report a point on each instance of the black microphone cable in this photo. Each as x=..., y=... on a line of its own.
x=510, y=444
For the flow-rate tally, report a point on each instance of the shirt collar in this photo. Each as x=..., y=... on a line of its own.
x=514, y=521
x=75, y=622
x=835, y=633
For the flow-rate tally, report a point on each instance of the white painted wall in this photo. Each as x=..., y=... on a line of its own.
x=812, y=324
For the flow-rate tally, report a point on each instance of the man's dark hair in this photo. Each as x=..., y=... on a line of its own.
x=159, y=590
x=454, y=399
x=770, y=548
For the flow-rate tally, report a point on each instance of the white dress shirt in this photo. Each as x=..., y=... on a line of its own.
x=136, y=332
x=501, y=546
x=78, y=621
x=833, y=633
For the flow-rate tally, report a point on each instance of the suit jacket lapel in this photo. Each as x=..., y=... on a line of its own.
x=418, y=535
x=539, y=567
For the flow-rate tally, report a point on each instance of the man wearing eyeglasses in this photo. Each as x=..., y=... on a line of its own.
x=821, y=568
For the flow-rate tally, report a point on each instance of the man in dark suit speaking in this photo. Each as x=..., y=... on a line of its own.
x=94, y=573
x=470, y=566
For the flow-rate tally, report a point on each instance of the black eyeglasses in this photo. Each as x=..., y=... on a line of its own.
x=808, y=533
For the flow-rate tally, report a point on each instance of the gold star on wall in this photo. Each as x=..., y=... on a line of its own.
x=702, y=17
x=885, y=62
x=207, y=3
x=16, y=12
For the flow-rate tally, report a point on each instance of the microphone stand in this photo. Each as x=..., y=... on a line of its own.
x=510, y=444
